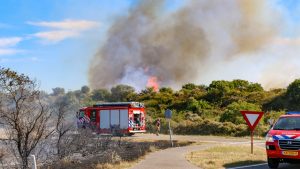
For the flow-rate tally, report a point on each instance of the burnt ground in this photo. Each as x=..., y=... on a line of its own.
x=114, y=151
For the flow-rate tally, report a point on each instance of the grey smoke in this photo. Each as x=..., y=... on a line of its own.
x=178, y=47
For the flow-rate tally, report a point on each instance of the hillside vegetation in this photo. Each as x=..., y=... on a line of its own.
x=32, y=119
x=199, y=109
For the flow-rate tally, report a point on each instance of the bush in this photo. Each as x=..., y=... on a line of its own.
x=232, y=112
x=209, y=127
x=272, y=115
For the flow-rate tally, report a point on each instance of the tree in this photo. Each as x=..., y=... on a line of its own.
x=255, y=87
x=100, y=95
x=189, y=86
x=22, y=114
x=217, y=91
x=85, y=89
x=62, y=125
x=223, y=93
x=58, y=91
x=146, y=94
x=121, y=92
x=240, y=85
x=232, y=112
x=293, y=95
x=192, y=104
x=166, y=90
x=275, y=100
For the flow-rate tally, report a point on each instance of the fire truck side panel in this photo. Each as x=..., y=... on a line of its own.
x=124, y=119
x=114, y=118
x=104, y=119
x=120, y=118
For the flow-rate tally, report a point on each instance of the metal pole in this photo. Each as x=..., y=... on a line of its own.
x=251, y=142
x=170, y=133
x=34, y=162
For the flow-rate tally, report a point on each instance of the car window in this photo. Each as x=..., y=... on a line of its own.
x=288, y=123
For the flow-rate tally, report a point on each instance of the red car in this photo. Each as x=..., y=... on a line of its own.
x=283, y=140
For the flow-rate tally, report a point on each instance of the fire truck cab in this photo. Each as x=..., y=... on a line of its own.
x=116, y=118
x=283, y=140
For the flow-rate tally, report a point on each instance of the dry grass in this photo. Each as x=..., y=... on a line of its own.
x=66, y=164
x=152, y=148
x=124, y=154
x=227, y=156
x=125, y=164
x=122, y=165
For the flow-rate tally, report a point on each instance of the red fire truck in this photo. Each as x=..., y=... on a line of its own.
x=283, y=140
x=117, y=118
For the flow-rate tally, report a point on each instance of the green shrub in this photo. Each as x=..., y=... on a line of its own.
x=209, y=127
x=232, y=112
x=272, y=115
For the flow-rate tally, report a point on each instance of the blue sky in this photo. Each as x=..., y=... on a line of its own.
x=53, y=41
x=36, y=42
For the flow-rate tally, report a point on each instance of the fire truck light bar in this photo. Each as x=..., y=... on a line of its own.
x=120, y=104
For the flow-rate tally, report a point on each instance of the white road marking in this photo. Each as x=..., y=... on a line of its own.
x=255, y=165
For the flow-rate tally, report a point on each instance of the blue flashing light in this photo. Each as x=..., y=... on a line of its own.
x=292, y=112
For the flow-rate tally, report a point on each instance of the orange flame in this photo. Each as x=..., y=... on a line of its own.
x=152, y=82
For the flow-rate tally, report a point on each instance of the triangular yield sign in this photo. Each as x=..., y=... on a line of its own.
x=252, y=118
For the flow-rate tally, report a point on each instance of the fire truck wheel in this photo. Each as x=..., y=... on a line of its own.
x=273, y=163
x=131, y=134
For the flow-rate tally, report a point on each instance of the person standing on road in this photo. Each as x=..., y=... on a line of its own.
x=157, y=125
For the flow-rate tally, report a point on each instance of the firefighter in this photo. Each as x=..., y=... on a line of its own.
x=157, y=125
x=138, y=122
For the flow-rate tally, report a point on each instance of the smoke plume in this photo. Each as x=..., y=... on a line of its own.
x=177, y=47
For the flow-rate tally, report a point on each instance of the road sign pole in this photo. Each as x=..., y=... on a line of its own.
x=168, y=115
x=170, y=131
x=251, y=142
x=252, y=118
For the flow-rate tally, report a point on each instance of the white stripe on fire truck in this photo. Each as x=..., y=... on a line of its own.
x=130, y=123
x=290, y=136
x=86, y=118
x=277, y=137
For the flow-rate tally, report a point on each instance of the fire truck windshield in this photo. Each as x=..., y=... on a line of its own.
x=288, y=123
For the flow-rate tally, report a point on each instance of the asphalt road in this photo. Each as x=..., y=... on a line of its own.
x=172, y=158
x=265, y=166
x=175, y=157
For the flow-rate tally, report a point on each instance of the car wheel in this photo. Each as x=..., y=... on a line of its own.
x=273, y=163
